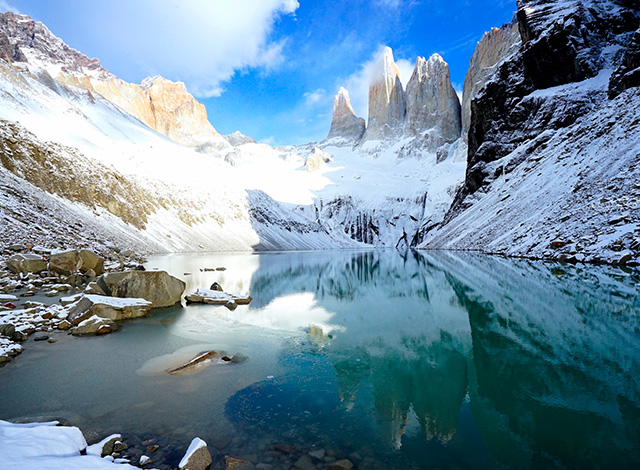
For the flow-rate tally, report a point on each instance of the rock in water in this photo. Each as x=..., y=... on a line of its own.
x=158, y=287
x=108, y=308
x=346, y=127
x=197, y=456
x=94, y=325
x=432, y=103
x=387, y=105
x=26, y=263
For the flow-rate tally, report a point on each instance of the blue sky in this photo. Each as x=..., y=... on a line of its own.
x=268, y=68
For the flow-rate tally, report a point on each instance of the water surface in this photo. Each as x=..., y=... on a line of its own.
x=395, y=361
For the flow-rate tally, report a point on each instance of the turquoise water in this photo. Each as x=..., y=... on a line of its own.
x=395, y=361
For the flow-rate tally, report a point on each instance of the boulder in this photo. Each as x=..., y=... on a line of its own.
x=94, y=325
x=108, y=308
x=217, y=297
x=197, y=456
x=7, y=329
x=234, y=463
x=26, y=263
x=158, y=287
x=91, y=261
x=65, y=263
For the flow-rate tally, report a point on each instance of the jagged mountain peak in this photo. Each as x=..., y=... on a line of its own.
x=387, y=105
x=346, y=127
x=32, y=42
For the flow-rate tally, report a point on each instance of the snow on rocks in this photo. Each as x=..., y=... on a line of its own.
x=8, y=349
x=26, y=263
x=197, y=456
x=91, y=306
x=46, y=446
x=217, y=297
x=158, y=287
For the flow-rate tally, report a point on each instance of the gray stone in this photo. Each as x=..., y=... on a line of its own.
x=197, y=456
x=26, y=263
x=158, y=287
x=107, y=308
x=65, y=263
x=94, y=326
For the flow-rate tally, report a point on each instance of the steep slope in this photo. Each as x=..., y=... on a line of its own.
x=552, y=161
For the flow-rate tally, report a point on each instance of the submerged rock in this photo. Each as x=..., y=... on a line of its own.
x=158, y=287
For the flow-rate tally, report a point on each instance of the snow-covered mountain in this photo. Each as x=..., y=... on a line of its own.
x=553, y=153
x=539, y=159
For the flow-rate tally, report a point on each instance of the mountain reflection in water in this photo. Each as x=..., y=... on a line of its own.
x=546, y=357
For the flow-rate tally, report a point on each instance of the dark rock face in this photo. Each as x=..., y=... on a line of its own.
x=562, y=43
x=628, y=74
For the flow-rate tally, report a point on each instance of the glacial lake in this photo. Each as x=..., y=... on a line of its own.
x=391, y=360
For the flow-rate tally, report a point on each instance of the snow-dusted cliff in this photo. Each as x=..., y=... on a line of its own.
x=552, y=162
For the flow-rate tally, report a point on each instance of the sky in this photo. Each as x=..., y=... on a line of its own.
x=269, y=68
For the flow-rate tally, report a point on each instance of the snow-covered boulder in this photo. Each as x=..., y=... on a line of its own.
x=8, y=349
x=216, y=297
x=316, y=159
x=197, y=456
x=26, y=263
x=108, y=308
x=94, y=325
x=158, y=287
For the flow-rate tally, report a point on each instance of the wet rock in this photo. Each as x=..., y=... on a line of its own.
x=317, y=454
x=158, y=287
x=94, y=326
x=105, y=446
x=26, y=263
x=344, y=464
x=152, y=448
x=234, y=463
x=41, y=338
x=305, y=463
x=119, y=446
x=197, y=456
x=7, y=329
x=144, y=460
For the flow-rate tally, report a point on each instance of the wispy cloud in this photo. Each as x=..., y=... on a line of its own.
x=314, y=97
x=4, y=7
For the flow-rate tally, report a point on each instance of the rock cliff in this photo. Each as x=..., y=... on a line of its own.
x=493, y=48
x=346, y=127
x=432, y=103
x=550, y=169
x=387, y=106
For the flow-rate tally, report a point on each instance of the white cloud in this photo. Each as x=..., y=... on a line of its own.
x=357, y=84
x=4, y=7
x=389, y=3
x=314, y=97
x=200, y=42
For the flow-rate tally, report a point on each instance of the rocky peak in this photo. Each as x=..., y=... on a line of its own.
x=433, y=107
x=494, y=47
x=345, y=125
x=24, y=40
x=387, y=107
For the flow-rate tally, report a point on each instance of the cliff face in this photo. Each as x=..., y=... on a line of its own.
x=161, y=104
x=432, y=103
x=387, y=106
x=550, y=167
x=493, y=48
x=346, y=127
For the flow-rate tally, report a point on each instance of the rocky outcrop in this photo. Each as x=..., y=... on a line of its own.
x=387, y=106
x=237, y=138
x=627, y=75
x=493, y=48
x=158, y=287
x=345, y=125
x=432, y=103
x=316, y=159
